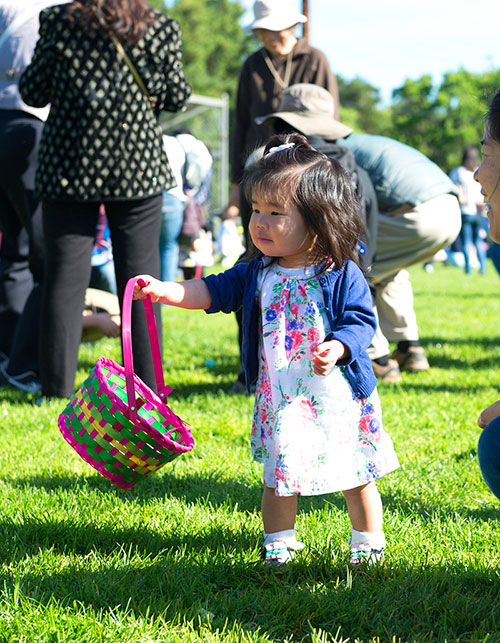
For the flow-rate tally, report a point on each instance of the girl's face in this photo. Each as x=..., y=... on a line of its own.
x=277, y=43
x=488, y=175
x=279, y=230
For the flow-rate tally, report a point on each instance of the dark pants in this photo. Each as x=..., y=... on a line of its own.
x=494, y=255
x=472, y=225
x=69, y=229
x=21, y=252
x=488, y=453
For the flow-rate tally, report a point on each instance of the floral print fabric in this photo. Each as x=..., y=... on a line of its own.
x=311, y=433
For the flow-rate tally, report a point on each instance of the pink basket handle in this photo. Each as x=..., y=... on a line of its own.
x=128, y=360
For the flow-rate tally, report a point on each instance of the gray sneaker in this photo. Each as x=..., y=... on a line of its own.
x=27, y=382
x=413, y=361
x=388, y=373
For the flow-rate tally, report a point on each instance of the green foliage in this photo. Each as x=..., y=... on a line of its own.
x=157, y=4
x=359, y=106
x=441, y=120
x=214, y=44
x=413, y=114
x=176, y=559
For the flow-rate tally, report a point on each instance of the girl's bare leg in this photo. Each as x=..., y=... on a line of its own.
x=278, y=512
x=365, y=508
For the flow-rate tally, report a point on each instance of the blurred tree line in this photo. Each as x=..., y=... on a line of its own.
x=438, y=119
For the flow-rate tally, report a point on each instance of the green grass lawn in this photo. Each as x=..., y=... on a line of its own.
x=176, y=559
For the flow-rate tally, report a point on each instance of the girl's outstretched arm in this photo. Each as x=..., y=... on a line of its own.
x=192, y=294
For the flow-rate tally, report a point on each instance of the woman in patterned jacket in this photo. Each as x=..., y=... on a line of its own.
x=102, y=144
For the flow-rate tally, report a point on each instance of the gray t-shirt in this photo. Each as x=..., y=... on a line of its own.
x=18, y=36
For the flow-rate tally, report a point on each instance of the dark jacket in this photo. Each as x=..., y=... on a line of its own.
x=347, y=301
x=365, y=194
x=259, y=94
x=102, y=140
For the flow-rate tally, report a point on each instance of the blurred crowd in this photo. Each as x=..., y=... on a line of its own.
x=92, y=191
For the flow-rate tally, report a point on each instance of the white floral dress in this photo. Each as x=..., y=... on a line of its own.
x=311, y=433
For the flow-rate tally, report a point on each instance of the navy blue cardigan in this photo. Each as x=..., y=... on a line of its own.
x=348, y=305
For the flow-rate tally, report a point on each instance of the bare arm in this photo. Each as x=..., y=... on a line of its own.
x=192, y=294
x=489, y=414
x=103, y=322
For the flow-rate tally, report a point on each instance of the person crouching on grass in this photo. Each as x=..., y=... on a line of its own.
x=488, y=175
x=307, y=319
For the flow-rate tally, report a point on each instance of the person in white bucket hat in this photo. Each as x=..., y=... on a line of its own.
x=283, y=60
x=275, y=15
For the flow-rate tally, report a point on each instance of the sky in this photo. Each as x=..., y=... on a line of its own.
x=386, y=41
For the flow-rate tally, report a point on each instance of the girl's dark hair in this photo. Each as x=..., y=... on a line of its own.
x=128, y=20
x=279, y=126
x=318, y=187
x=493, y=118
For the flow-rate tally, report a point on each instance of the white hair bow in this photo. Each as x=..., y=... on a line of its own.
x=279, y=148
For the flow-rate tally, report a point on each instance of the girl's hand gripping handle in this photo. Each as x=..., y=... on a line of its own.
x=192, y=294
x=149, y=287
x=128, y=295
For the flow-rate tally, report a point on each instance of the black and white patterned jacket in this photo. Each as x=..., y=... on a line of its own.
x=102, y=140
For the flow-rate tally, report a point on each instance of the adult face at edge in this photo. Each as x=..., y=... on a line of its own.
x=488, y=173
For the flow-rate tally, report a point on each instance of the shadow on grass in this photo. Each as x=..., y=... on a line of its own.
x=223, y=368
x=213, y=576
x=188, y=487
x=484, y=342
x=184, y=391
x=430, y=511
x=192, y=488
x=70, y=537
x=211, y=489
x=452, y=296
x=415, y=383
x=11, y=394
x=440, y=360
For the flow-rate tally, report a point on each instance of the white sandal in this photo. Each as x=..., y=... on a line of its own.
x=279, y=552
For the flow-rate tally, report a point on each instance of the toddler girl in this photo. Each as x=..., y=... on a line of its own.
x=307, y=321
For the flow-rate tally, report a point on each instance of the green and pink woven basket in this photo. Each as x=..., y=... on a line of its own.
x=119, y=425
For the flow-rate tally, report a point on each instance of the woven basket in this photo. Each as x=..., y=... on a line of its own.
x=116, y=423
